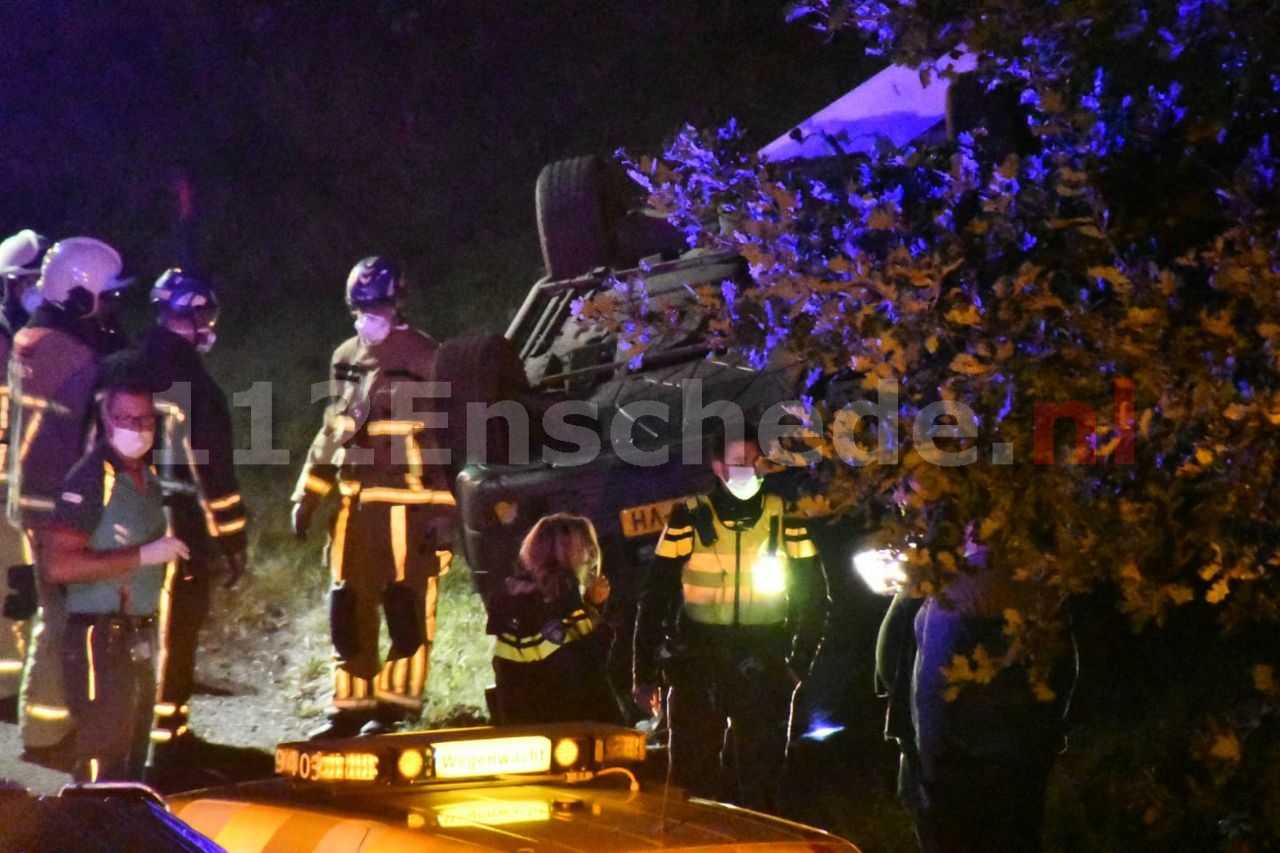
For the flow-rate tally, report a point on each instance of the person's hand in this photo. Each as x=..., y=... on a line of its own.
x=596, y=590
x=648, y=698
x=234, y=565
x=301, y=518
x=162, y=550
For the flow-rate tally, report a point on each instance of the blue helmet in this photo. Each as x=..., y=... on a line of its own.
x=182, y=294
x=375, y=282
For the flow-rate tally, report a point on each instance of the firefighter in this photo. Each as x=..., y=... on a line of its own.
x=202, y=493
x=731, y=614
x=551, y=651
x=51, y=376
x=20, y=268
x=390, y=535
x=108, y=545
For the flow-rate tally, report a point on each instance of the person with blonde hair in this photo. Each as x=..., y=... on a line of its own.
x=552, y=648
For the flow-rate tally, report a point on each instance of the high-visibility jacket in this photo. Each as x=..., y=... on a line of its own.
x=550, y=658
x=740, y=577
x=758, y=574
x=378, y=437
x=14, y=635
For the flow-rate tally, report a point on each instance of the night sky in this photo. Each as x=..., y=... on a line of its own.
x=301, y=136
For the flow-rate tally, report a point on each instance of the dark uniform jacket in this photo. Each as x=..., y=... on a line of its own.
x=785, y=625
x=375, y=439
x=550, y=657
x=200, y=474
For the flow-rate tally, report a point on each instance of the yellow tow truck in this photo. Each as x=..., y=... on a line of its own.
x=564, y=787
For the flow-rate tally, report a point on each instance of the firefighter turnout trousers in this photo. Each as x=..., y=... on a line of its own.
x=15, y=634
x=45, y=719
x=187, y=598
x=184, y=608
x=382, y=559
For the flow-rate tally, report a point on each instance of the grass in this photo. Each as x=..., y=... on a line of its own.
x=276, y=623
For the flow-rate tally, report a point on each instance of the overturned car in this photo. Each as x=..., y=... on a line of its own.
x=585, y=426
x=599, y=430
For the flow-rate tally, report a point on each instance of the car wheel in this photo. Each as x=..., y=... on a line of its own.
x=576, y=209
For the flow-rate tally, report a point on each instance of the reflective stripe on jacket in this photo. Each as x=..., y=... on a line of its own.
x=51, y=378
x=377, y=436
x=540, y=645
x=742, y=577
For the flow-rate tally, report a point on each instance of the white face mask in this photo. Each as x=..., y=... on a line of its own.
x=130, y=444
x=372, y=328
x=743, y=482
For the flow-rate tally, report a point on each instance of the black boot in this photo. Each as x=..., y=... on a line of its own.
x=386, y=719
x=340, y=724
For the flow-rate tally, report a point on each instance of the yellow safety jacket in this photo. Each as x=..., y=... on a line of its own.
x=742, y=577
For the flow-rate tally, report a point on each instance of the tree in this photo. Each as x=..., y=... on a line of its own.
x=1076, y=327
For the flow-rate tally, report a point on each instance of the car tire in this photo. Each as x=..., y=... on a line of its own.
x=576, y=209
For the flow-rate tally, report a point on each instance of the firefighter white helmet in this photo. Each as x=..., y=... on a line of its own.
x=19, y=253
x=77, y=272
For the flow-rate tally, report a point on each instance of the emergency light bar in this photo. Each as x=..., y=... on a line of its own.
x=576, y=750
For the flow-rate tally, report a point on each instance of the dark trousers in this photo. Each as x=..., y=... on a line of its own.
x=976, y=805
x=108, y=670
x=986, y=753
x=570, y=685
x=730, y=719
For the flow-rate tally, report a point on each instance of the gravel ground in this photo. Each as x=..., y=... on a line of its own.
x=258, y=684
x=263, y=674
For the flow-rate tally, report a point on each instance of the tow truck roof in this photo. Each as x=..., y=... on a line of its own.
x=553, y=788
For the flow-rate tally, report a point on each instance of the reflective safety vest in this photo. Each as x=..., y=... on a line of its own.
x=741, y=578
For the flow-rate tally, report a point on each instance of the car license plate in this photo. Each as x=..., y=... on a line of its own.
x=647, y=519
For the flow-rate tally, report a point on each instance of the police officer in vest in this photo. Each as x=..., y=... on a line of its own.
x=390, y=537
x=19, y=268
x=203, y=495
x=51, y=380
x=108, y=545
x=731, y=614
